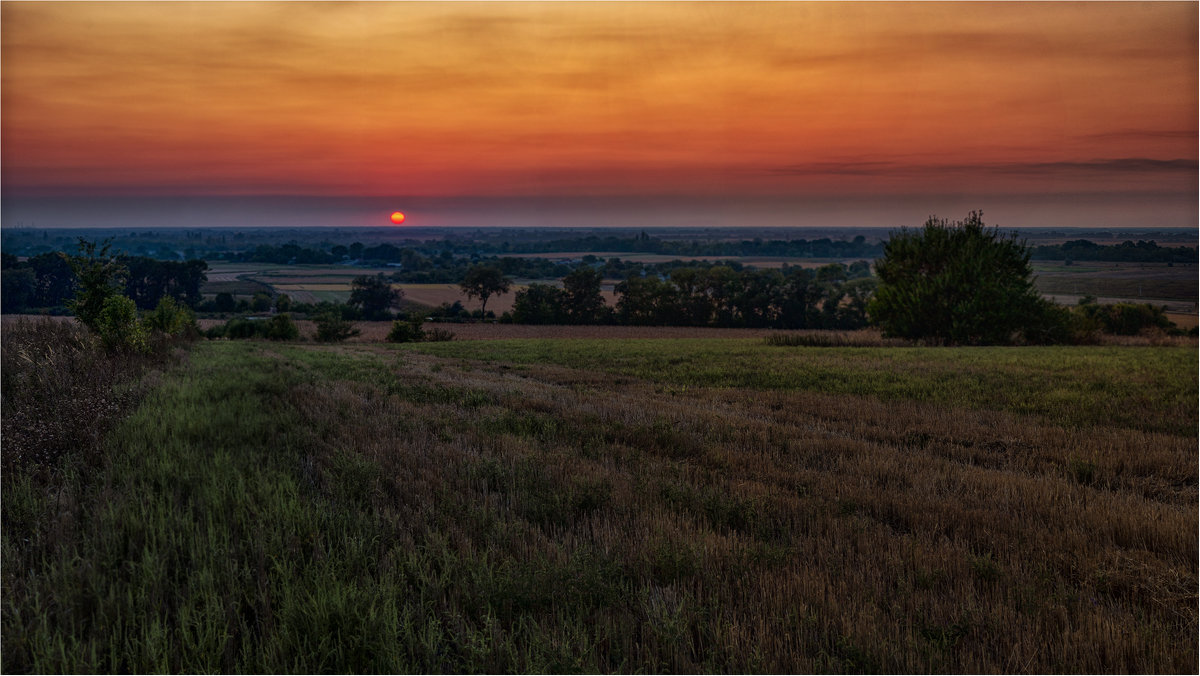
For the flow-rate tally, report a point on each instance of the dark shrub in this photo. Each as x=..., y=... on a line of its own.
x=406, y=330
x=332, y=328
x=280, y=327
x=957, y=283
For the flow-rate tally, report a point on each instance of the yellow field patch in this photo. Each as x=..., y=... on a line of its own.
x=1183, y=320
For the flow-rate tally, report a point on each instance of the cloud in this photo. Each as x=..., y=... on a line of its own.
x=1137, y=134
x=1141, y=165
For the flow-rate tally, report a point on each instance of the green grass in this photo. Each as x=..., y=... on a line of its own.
x=1140, y=388
x=218, y=541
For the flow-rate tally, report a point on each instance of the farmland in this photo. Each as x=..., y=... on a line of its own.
x=331, y=283
x=755, y=261
x=682, y=504
x=1157, y=283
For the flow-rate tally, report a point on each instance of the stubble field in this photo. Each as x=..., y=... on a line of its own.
x=652, y=505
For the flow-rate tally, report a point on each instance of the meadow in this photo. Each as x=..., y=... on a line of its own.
x=679, y=505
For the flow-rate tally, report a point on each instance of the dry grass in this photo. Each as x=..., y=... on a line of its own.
x=787, y=532
x=61, y=391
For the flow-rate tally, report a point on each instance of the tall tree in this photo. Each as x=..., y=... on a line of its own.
x=99, y=276
x=581, y=295
x=539, y=304
x=374, y=296
x=483, y=282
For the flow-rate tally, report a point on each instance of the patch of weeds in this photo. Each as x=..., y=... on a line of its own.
x=944, y=637
x=1083, y=471
x=543, y=502
x=353, y=479
x=669, y=562
x=985, y=568
x=928, y=578
x=847, y=657
x=769, y=554
x=421, y=393
x=917, y=440
x=523, y=424
x=729, y=512
x=495, y=475
x=587, y=496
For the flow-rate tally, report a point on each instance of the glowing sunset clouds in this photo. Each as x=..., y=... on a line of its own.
x=601, y=99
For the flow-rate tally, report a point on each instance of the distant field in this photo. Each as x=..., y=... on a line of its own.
x=756, y=261
x=674, y=506
x=1184, y=321
x=302, y=283
x=1137, y=282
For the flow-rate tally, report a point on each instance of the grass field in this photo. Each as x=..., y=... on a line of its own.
x=654, y=505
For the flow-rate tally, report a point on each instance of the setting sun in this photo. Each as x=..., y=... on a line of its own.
x=397, y=217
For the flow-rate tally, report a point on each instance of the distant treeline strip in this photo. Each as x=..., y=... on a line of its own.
x=831, y=297
x=47, y=281
x=1125, y=252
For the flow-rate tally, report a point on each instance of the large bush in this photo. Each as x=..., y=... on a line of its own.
x=119, y=327
x=407, y=330
x=332, y=328
x=171, y=318
x=280, y=327
x=957, y=283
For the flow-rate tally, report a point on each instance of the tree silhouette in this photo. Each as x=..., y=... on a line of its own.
x=482, y=282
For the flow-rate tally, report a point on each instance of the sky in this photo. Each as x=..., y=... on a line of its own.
x=592, y=114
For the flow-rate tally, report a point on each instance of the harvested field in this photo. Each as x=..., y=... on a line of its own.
x=1184, y=320
x=1158, y=283
x=704, y=506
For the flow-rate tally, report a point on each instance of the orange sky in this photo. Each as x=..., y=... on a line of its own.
x=599, y=99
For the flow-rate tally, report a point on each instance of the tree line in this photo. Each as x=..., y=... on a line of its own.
x=1127, y=251
x=48, y=281
x=831, y=297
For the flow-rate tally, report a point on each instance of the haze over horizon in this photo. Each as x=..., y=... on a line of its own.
x=592, y=114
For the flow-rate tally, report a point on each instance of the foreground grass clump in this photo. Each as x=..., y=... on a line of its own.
x=373, y=508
